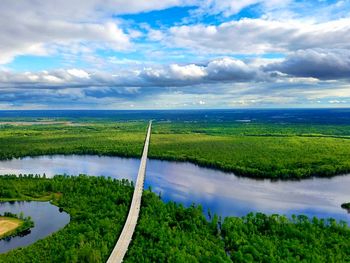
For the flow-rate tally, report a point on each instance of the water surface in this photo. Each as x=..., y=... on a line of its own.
x=221, y=193
x=47, y=219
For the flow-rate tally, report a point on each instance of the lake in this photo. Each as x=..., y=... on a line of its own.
x=47, y=219
x=219, y=192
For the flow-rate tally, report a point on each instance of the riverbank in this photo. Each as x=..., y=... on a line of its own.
x=52, y=197
x=252, y=150
x=187, y=183
x=95, y=218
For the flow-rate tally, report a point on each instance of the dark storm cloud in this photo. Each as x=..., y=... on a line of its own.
x=320, y=64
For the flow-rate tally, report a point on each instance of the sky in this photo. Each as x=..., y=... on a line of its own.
x=174, y=54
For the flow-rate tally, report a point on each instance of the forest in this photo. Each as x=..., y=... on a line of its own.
x=264, y=150
x=168, y=232
x=97, y=206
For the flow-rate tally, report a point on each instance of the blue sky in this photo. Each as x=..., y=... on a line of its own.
x=117, y=54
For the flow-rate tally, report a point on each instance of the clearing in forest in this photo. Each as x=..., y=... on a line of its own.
x=8, y=224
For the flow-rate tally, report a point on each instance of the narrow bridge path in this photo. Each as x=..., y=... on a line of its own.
x=124, y=240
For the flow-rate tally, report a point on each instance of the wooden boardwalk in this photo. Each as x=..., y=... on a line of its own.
x=124, y=240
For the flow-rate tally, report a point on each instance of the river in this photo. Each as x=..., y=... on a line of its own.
x=223, y=193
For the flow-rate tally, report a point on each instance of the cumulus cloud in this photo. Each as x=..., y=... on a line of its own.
x=315, y=63
x=207, y=95
x=83, y=10
x=305, y=66
x=258, y=36
x=219, y=82
x=216, y=71
x=228, y=69
x=56, y=78
x=43, y=28
x=40, y=27
x=37, y=37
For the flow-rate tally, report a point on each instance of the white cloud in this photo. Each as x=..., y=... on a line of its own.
x=316, y=64
x=79, y=73
x=191, y=71
x=37, y=37
x=298, y=69
x=174, y=75
x=41, y=27
x=86, y=10
x=309, y=67
x=75, y=26
x=230, y=69
x=337, y=101
x=258, y=36
x=218, y=70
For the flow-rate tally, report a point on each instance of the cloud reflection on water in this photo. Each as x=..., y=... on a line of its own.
x=222, y=193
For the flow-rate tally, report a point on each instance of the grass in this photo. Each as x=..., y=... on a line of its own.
x=247, y=149
x=8, y=225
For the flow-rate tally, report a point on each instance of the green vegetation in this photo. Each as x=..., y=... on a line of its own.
x=103, y=139
x=257, y=150
x=261, y=238
x=264, y=157
x=15, y=224
x=98, y=208
x=9, y=191
x=247, y=149
x=346, y=206
x=169, y=232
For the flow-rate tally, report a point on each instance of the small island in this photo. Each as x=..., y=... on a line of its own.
x=13, y=225
x=346, y=206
